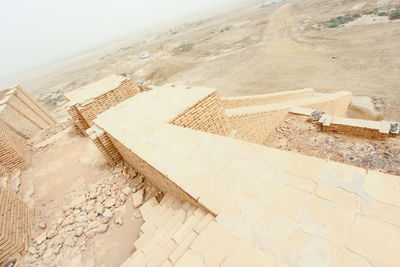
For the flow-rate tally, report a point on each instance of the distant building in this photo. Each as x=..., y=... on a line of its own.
x=144, y=54
x=272, y=2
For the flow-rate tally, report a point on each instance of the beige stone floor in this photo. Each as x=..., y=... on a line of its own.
x=298, y=210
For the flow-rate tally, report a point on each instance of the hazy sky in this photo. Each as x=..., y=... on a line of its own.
x=38, y=32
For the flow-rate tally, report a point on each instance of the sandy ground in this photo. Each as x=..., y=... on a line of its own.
x=298, y=134
x=255, y=50
x=63, y=166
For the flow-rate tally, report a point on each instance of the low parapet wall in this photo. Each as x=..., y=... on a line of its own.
x=207, y=115
x=362, y=128
x=255, y=123
x=357, y=127
x=256, y=100
x=89, y=101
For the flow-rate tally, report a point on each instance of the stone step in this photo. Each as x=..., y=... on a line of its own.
x=188, y=225
x=162, y=251
x=167, y=223
x=159, y=210
x=185, y=244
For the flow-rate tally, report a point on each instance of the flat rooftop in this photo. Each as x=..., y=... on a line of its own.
x=93, y=90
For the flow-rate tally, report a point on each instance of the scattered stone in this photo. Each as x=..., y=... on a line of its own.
x=32, y=250
x=126, y=190
x=81, y=217
x=40, y=238
x=41, y=249
x=51, y=234
x=59, y=220
x=57, y=249
x=137, y=198
x=101, y=198
x=68, y=228
x=108, y=213
x=49, y=252
x=99, y=208
x=90, y=233
x=119, y=220
x=93, y=225
x=77, y=202
x=41, y=225
x=109, y=202
x=78, y=231
x=68, y=221
x=70, y=241
x=102, y=228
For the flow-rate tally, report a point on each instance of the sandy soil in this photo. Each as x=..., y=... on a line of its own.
x=298, y=134
x=64, y=165
x=255, y=50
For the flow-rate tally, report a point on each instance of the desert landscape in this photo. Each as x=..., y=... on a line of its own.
x=255, y=50
x=265, y=134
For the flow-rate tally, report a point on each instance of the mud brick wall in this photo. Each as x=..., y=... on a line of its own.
x=255, y=123
x=255, y=100
x=14, y=153
x=207, y=115
x=155, y=177
x=3, y=170
x=361, y=128
x=23, y=115
x=83, y=114
x=16, y=223
x=255, y=127
x=79, y=121
x=104, y=144
x=356, y=131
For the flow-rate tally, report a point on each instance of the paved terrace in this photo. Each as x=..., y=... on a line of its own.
x=297, y=210
x=93, y=90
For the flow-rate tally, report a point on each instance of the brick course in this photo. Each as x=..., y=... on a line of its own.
x=83, y=113
x=14, y=153
x=15, y=225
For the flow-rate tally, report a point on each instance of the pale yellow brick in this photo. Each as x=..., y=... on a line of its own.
x=383, y=187
x=338, y=196
x=375, y=240
x=213, y=244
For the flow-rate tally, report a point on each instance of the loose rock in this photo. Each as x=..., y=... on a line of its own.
x=102, y=228
x=42, y=237
x=137, y=198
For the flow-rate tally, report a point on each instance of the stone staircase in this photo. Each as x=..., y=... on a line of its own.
x=169, y=229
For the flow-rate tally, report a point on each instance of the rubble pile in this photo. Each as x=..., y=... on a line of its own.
x=90, y=213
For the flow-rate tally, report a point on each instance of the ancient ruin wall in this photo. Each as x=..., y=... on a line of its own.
x=255, y=100
x=255, y=127
x=104, y=144
x=83, y=114
x=14, y=153
x=15, y=225
x=22, y=114
x=207, y=116
x=254, y=124
x=361, y=128
x=155, y=177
